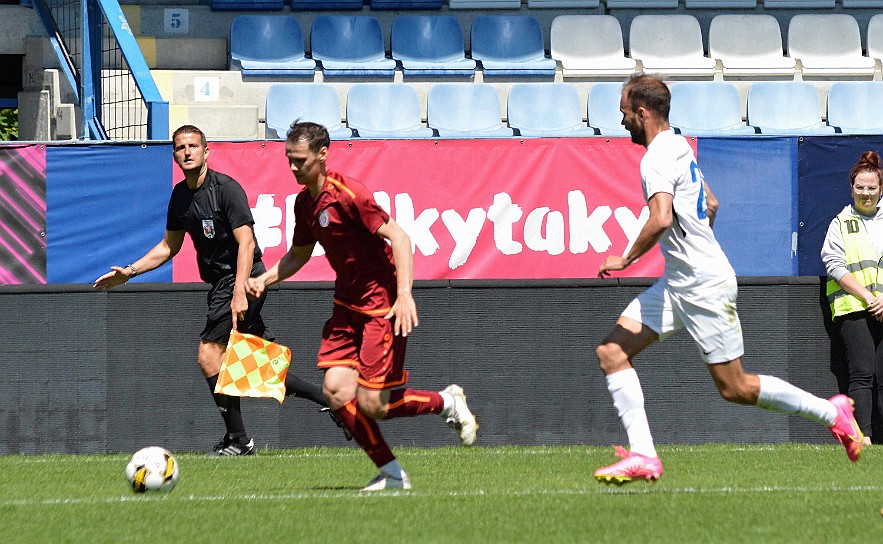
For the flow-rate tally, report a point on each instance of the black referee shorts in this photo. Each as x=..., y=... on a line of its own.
x=219, y=319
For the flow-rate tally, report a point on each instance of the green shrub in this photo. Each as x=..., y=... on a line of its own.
x=8, y=124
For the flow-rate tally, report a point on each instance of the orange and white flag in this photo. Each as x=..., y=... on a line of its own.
x=253, y=367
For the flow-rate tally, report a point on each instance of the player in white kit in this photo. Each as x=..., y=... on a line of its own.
x=697, y=292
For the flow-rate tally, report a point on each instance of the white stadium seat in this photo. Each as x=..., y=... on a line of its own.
x=590, y=46
x=828, y=45
x=749, y=46
x=669, y=45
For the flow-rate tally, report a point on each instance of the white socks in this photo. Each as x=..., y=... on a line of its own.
x=781, y=396
x=449, y=404
x=394, y=469
x=628, y=398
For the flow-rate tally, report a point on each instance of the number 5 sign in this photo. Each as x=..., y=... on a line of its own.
x=176, y=21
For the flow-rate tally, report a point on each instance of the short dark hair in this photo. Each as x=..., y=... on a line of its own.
x=314, y=134
x=190, y=129
x=650, y=92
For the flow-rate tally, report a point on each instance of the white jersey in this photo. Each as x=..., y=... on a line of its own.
x=692, y=254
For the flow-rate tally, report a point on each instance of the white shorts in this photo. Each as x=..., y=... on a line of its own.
x=708, y=312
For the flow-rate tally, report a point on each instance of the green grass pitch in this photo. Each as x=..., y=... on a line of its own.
x=712, y=493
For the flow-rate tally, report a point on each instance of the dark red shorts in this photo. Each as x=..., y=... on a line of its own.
x=366, y=343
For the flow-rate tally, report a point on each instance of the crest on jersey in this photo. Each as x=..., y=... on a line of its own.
x=323, y=218
x=208, y=228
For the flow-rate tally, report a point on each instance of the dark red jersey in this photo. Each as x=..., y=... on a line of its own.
x=344, y=219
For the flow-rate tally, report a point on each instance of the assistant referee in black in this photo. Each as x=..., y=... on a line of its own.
x=213, y=209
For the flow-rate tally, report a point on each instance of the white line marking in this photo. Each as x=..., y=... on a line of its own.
x=635, y=489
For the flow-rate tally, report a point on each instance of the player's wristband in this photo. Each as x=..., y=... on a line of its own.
x=134, y=272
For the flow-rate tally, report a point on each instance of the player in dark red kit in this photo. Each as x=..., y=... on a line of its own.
x=363, y=343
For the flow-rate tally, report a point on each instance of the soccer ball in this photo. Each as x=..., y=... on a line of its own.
x=152, y=469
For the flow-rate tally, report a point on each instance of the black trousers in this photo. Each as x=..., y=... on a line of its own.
x=862, y=337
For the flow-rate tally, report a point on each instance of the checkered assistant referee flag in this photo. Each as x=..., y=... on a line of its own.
x=253, y=367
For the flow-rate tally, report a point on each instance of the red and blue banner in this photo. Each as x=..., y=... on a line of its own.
x=475, y=209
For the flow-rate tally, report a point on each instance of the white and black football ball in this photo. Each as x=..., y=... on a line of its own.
x=152, y=469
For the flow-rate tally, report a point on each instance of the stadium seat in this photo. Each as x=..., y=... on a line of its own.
x=590, y=46
x=350, y=46
x=246, y=5
x=707, y=108
x=316, y=102
x=875, y=37
x=510, y=45
x=385, y=110
x=550, y=4
x=669, y=45
x=786, y=108
x=853, y=107
x=546, y=110
x=603, y=109
x=425, y=5
x=430, y=45
x=268, y=45
x=798, y=4
x=828, y=45
x=326, y=5
x=465, y=110
x=484, y=4
x=641, y=4
x=720, y=4
x=749, y=46
x=853, y=4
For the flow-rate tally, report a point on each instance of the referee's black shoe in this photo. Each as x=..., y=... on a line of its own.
x=230, y=447
x=346, y=432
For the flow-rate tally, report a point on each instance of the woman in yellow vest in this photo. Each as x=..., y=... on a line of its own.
x=852, y=255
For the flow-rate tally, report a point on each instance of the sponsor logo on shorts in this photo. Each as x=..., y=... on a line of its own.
x=208, y=228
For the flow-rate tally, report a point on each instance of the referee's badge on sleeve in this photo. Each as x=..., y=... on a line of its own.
x=208, y=228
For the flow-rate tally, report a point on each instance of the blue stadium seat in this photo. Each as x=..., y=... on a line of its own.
x=350, y=45
x=326, y=5
x=707, y=108
x=641, y=4
x=510, y=45
x=268, y=45
x=385, y=110
x=465, y=110
x=316, y=102
x=853, y=107
x=247, y=5
x=424, y=5
x=720, y=4
x=786, y=108
x=545, y=110
x=484, y=4
x=798, y=4
x=430, y=45
x=550, y=4
x=603, y=109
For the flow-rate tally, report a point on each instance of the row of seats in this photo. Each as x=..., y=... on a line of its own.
x=472, y=110
x=827, y=45
x=339, y=5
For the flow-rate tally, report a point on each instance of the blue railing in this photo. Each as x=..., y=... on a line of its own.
x=103, y=64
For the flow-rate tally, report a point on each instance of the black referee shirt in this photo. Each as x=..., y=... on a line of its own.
x=209, y=214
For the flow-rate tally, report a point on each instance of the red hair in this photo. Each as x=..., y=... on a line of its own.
x=868, y=162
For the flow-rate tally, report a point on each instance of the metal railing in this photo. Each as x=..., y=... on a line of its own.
x=103, y=63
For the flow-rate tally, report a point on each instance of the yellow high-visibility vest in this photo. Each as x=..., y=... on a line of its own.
x=862, y=262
